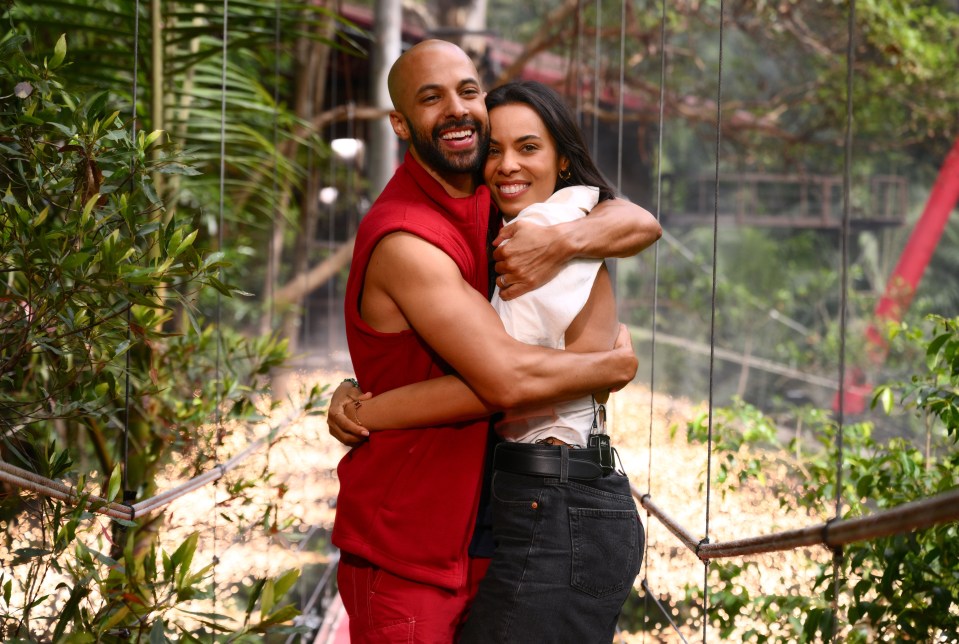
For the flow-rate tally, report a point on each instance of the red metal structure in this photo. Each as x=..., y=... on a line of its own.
x=905, y=278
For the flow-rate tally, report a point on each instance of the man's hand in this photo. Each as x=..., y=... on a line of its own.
x=624, y=343
x=533, y=256
x=341, y=427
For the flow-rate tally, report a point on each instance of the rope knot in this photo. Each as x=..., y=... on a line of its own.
x=837, y=549
x=699, y=545
x=129, y=496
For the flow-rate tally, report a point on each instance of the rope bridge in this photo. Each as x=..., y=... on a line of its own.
x=833, y=534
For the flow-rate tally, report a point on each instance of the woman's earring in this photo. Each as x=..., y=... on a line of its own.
x=565, y=174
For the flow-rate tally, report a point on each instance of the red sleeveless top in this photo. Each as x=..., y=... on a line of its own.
x=408, y=498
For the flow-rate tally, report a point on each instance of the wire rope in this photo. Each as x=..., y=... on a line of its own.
x=652, y=350
x=580, y=77
x=596, y=80
x=622, y=94
x=218, y=315
x=843, y=307
x=712, y=316
x=125, y=480
x=271, y=251
x=331, y=302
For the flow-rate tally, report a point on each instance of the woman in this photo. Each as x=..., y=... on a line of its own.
x=568, y=537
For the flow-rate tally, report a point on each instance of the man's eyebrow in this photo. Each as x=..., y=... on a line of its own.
x=435, y=87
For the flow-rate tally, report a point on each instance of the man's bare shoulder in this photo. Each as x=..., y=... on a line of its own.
x=407, y=275
x=407, y=251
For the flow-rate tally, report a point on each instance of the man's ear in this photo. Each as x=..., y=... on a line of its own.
x=400, y=127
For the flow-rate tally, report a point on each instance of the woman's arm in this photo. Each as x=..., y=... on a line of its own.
x=353, y=414
x=423, y=404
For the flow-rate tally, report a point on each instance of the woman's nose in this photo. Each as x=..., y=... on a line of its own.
x=508, y=163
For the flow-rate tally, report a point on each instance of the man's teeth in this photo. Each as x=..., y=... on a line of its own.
x=513, y=188
x=461, y=134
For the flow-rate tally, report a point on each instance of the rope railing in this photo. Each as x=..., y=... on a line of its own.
x=648, y=592
x=28, y=480
x=914, y=515
x=670, y=524
x=32, y=481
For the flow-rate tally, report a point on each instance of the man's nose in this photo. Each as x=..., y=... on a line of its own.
x=456, y=107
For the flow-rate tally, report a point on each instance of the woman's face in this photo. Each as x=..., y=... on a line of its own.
x=523, y=162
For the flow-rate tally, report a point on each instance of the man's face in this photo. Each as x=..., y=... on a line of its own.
x=443, y=114
x=452, y=146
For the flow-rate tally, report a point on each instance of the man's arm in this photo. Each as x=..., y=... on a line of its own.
x=534, y=254
x=425, y=285
x=353, y=414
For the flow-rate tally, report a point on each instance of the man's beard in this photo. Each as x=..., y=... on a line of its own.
x=429, y=150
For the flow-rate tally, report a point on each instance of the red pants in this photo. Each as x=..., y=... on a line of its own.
x=385, y=608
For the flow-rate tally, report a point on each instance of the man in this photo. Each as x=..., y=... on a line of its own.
x=415, y=309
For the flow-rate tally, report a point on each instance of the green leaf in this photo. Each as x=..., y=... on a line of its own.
x=266, y=600
x=69, y=611
x=932, y=351
x=88, y=208
x=886, y=399
x=59, y=53
x=183, y=557
x=158, y=633
x=284, y=582
x=179, y=168
x=74, y=260
x=213, y=260
x=283, y=614
x=151, y=137
x=114, y=486
x=185, y=243
x=255, y=593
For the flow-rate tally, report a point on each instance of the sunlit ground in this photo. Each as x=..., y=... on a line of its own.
x=283, y=520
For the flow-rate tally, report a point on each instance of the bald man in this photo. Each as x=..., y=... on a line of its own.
x=416, y=308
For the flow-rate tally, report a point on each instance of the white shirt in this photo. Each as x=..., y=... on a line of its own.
x=542, y=316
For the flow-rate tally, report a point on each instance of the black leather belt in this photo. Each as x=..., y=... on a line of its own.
x=546, y=460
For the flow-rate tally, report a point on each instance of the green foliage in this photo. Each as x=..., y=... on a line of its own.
x=95, y=274
x=903, y=587
x=937, y=391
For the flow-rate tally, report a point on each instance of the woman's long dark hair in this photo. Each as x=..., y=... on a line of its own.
x=559, y=121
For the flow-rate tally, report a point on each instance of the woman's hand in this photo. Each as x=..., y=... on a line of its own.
x=343, y=427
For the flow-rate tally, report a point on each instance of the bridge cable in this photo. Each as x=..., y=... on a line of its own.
x=712, y=318
x=652, y=350
x=596, y=77
x=217, y=320
x=843, y=308
x=129, y=495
